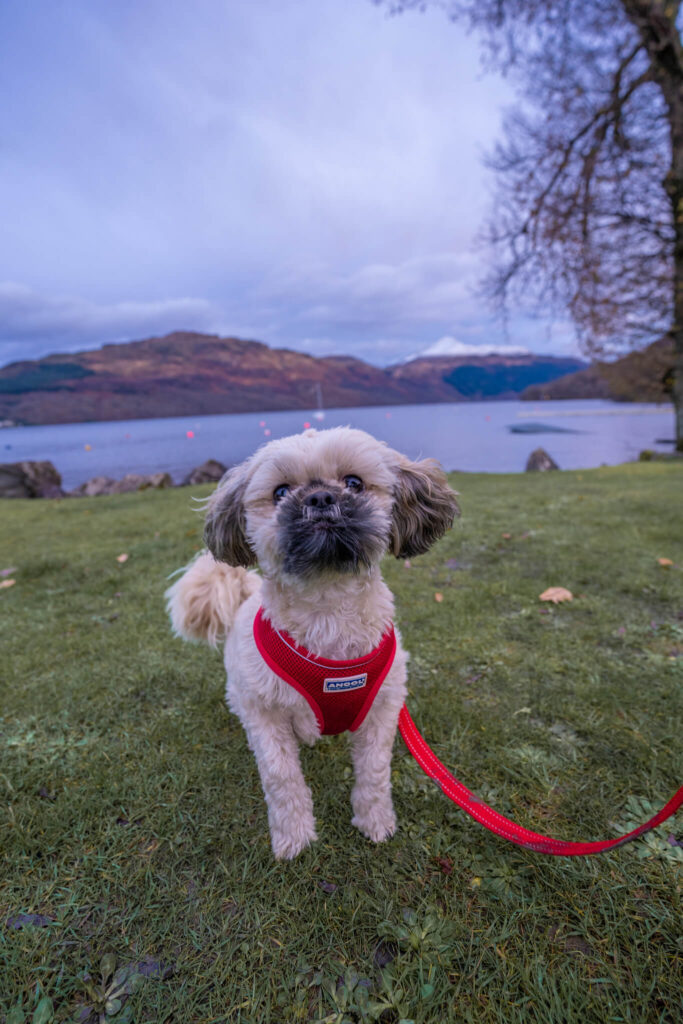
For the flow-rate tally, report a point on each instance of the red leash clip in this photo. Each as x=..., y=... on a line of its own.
x=490, y=819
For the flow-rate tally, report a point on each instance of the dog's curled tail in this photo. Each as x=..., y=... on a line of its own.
x=203, y=603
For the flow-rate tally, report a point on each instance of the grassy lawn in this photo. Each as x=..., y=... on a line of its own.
x=133, y=827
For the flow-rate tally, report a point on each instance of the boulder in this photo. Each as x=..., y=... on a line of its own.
x=130, y=482
x=159, y=481
x=539, y=461
x=30, y=480
x=96, y=485
x=209, y=472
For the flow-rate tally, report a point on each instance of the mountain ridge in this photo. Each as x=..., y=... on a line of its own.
x=189, y=373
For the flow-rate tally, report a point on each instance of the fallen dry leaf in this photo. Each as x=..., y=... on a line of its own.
x=122, y=558
x=556, y=594
x=6, y=583
x=384, y=953
x=438, y=597
x=155, y=969
x=665, y=562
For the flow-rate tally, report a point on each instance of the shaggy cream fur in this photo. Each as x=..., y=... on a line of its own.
x=338, y=610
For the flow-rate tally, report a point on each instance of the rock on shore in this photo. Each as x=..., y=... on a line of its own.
x=209, y=472
x=539, y=461
x=130, y=482
x=30, y=480
x=41, y=480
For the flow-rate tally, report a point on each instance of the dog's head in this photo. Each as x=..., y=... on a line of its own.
x=333, y=500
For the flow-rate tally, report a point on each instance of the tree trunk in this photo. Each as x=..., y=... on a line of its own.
x=655, y=21
x=674, y=185
x=678, y=380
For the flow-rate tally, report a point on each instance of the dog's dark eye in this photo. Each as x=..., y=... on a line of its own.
x=280, y=491
x=354, y=483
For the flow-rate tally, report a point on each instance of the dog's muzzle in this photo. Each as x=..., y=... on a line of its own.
x=329, y=529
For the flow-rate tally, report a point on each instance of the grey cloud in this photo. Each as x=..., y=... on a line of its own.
x=32, y=324
x=194, y=151
x=401, y=298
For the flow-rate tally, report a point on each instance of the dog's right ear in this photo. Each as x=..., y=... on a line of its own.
x=225, y=527
x=424, y=507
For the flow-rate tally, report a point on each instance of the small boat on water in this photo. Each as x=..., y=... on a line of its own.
x=319, y=414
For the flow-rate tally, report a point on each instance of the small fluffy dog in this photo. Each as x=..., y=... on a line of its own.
x=316, y=511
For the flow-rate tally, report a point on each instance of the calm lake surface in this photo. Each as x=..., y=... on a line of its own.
x=474, y=437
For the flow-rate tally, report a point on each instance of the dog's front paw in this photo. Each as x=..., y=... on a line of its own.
x=287, y=844
x=377, y=822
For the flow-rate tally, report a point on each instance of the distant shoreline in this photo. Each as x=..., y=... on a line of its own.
x=307, y=410
x=621, y=408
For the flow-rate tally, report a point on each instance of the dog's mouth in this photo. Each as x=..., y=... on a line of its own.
x=318, y=517
x=343, y=535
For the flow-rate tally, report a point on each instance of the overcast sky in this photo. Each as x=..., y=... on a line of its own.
x=304, y=172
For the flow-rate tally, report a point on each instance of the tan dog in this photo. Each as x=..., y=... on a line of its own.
x=317, y=511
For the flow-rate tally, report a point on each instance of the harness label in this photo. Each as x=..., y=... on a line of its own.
x=345, y=683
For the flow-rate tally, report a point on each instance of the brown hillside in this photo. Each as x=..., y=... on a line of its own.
x=186, y=374
x=637, y=377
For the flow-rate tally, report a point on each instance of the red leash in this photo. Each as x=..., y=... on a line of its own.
x=495, y=822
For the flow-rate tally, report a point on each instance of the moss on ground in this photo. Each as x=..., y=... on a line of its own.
x=133, y=821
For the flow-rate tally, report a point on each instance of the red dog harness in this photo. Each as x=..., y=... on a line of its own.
x=339, y=692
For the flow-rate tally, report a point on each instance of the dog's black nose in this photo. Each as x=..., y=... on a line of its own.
x=319, y=499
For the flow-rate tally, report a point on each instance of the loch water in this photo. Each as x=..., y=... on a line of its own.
x=489, y=437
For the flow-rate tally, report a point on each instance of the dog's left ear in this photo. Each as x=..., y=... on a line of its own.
x=424, y=507
x=225, y=532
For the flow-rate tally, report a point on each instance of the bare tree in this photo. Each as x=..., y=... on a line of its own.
x=588, y=211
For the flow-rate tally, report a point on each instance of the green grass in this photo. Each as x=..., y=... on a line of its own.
x=132, y=818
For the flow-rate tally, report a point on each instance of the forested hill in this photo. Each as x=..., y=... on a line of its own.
x=645, y=375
